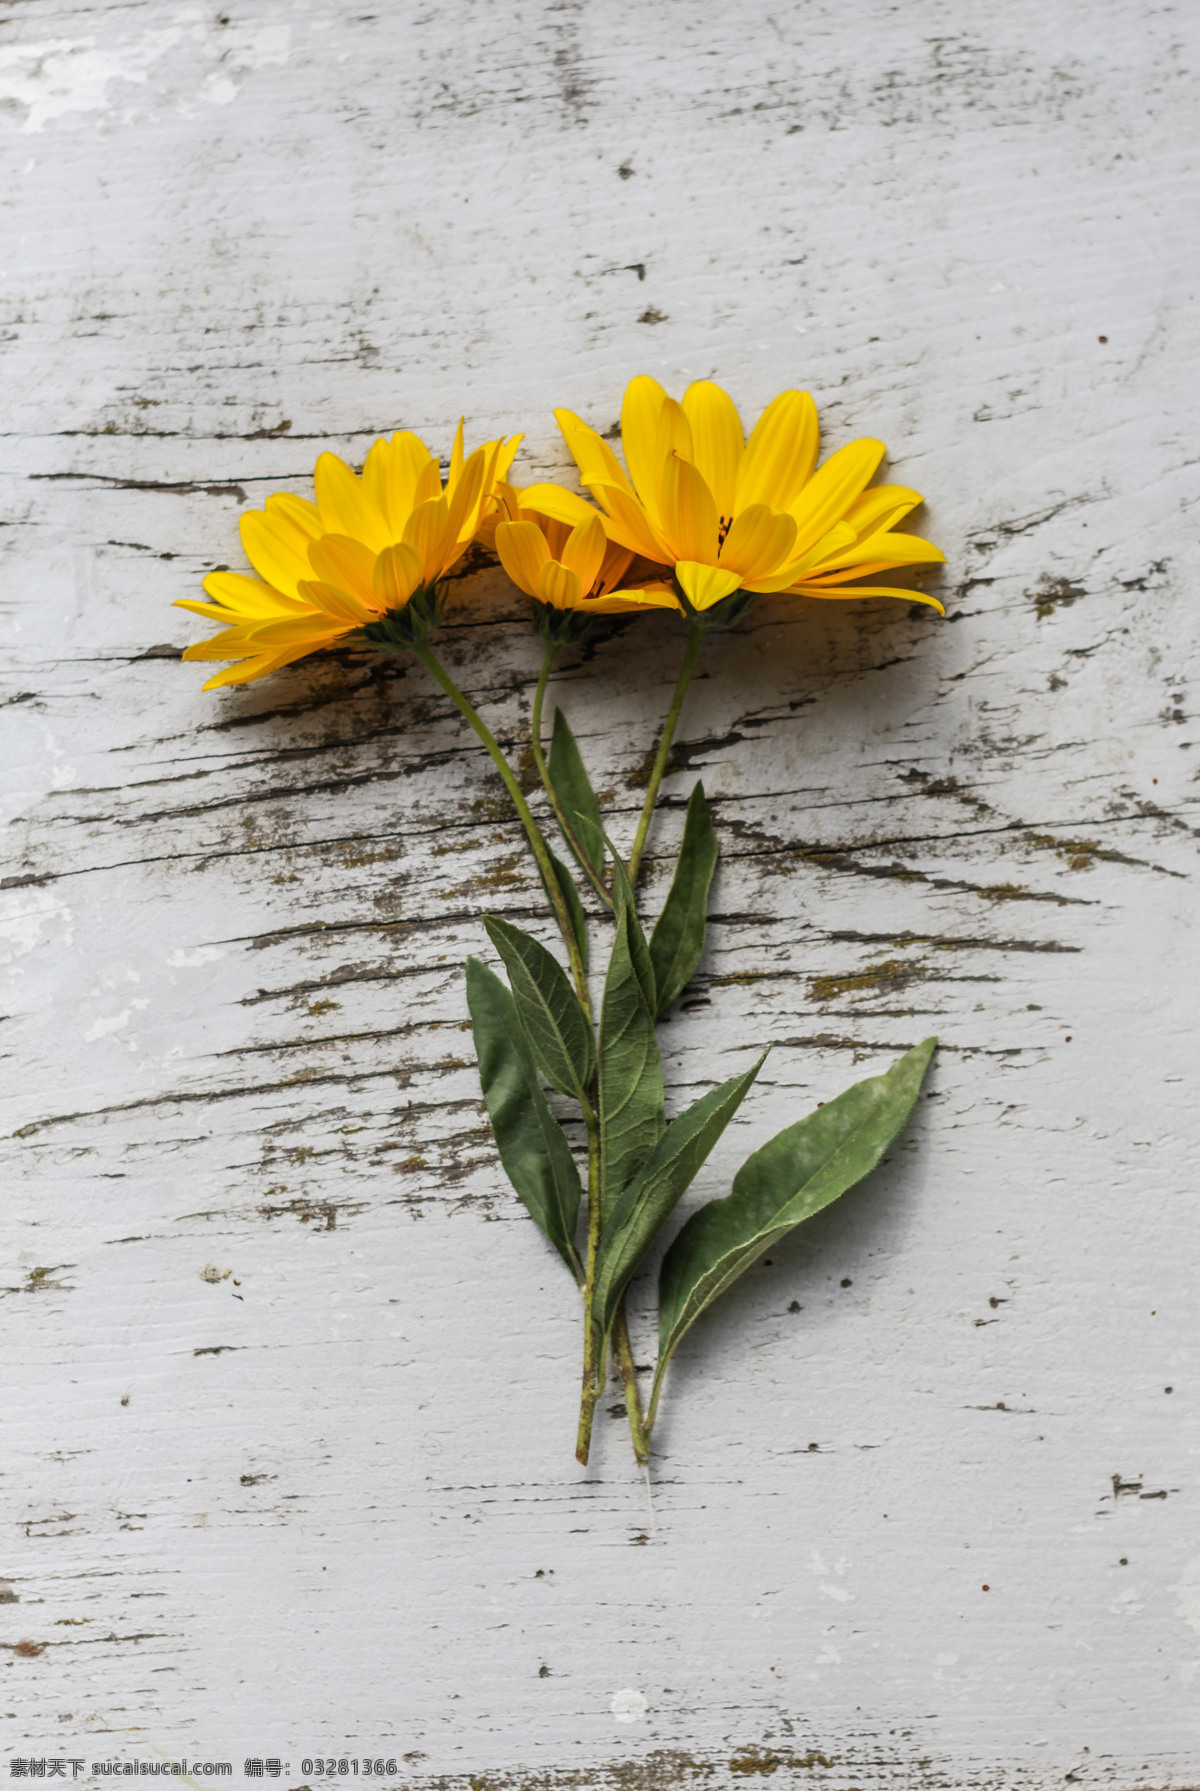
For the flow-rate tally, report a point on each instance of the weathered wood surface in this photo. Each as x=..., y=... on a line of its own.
x=290, y=1386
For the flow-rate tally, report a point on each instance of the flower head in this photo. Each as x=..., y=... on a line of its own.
x=570, y=566
x=363, y=551
x=727, y=514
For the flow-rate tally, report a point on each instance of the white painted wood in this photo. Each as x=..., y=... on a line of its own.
x=287, y=1456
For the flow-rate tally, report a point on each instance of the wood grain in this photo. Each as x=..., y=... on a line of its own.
x=288, y=1454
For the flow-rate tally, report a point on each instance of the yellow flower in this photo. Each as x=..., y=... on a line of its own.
x=728, y=514
x=569, y=567
x=362, y=551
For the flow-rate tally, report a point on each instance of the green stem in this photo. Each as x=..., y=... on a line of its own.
x=590, y=1392
x=593, y=1366
x=623, y=1351
x=541, y=852
x=539, y=759
x=652, y=1412
x=695, y=642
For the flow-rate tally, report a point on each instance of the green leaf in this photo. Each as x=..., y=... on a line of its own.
x=573, y=788
x=559, y=1033
x=677, y=943
x=642, y=1211
x=802, y=1169
x=533, y=1147
x=566, y=883
x=630, y=1075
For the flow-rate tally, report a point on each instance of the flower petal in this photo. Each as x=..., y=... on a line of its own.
x=319, y=630
x=249, y=597
x=559, y=587
x=297, y=512
x=337, y=605
x=705, y=585
x=629, y=524
x=425, y=531
x=256, y=667
x=523, y=552
x=276, y=549
x=717, y=440
x=759, y=543
x=456, y=455
x=674, y=435
x=506, y=453
x=339, y=560
x=584, y=551
x=396, y=575
x=556, y=501
x=881, y=508
x=346, y=506
x=464, y=498
x=847, y=591
x=830, y=492
x=644, y=399
x=616, y=563
x=597, y=463
x=391, y=475
x=885, y=549
x=780, y=454
x=634, y=601
x=688, y=512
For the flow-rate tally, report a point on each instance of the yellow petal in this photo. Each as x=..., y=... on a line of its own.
x=674, y=435
x=759, y=543
x=464, y=499
x=884, y=549
x=429, y=485
x=780, y=454
x=583, y=553
x=425, y=531
x=689, y=516
x=292, y=634
x=456, y=455
x=233, y=643
x=248, y=596
x=215, y=612
x=506, y=454
x=644, y=399
x=391, y=475
x=830, y=492
x=346, y=505
x=558, y=587
x=597, y=463
x=717, y=440
x=616, y=563
x=705, y=585
x=808, y=563
x=508, y=501
x=339, y=560
x=257, y=667
x=634, y=601
x=523, y=552
x=556, y=501
x=396, y=576
x=297, y=512
x=848, y=591
x=627, y=523
x=337, y=605
x=881, y=508
x=276, y=549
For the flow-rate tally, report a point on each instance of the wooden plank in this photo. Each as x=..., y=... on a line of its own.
x=288, y=1464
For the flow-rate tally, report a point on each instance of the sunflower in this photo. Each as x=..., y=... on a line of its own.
x=362, y=552
x=727, y=514
x=569, y=566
